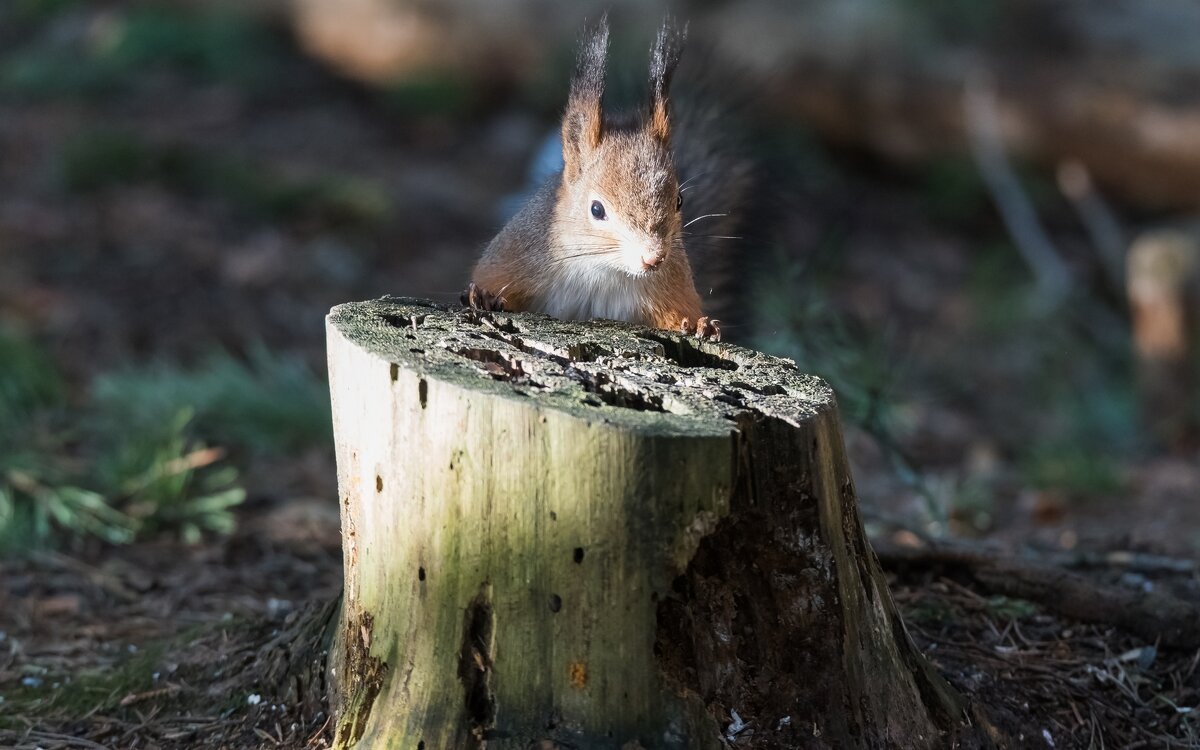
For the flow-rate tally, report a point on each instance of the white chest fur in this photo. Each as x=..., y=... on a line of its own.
x=584, y=291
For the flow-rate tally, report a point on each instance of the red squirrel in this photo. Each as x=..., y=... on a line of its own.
x=604, y=238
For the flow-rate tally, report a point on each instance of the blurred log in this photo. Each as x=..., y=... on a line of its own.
x=1164, y=301
x=478, y=41
x=1111, y=85
x=594, y=535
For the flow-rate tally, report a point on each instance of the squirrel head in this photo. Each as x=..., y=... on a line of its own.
x=619, y=203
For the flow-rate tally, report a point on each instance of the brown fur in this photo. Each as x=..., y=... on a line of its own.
x=555, y=256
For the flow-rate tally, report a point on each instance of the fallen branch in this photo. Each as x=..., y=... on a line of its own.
x=1152, y=615
x=1125, y=560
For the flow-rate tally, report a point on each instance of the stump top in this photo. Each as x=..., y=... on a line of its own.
x=605, y=371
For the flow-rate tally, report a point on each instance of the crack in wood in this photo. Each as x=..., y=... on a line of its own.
x=475, y=663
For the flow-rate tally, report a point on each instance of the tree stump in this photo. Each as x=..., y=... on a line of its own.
x=596, y=535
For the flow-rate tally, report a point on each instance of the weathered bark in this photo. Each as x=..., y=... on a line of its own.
x=598, y=535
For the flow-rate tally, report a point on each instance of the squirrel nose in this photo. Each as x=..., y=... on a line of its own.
x=651, y=259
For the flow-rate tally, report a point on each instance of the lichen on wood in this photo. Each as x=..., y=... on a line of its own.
x=594, y=535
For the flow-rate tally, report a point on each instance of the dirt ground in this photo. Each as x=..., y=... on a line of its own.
x=147, y=645
x=158, y=646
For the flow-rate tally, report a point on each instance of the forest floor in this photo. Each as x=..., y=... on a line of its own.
x=156, y=645
x=162, y=213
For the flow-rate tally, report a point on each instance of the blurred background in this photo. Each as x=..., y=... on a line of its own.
x=983, y=236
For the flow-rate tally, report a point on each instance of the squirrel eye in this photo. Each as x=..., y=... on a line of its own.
x=598, y=209
x=679, y=202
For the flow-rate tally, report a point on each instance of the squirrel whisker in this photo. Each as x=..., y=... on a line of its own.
x=698, y=218
x=590, y=254
x=619, y=194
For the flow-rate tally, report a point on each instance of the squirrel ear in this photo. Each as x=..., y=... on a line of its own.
x=583, y=123
x=664, y=57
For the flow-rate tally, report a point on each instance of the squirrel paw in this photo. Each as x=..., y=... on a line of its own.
x=705, y=328
x=708, y=328
x=481, y=299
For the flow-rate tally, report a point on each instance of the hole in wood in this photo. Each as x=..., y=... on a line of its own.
x=499, y=365
x=403, y=321
x=555, y=602
x=475, y=662
x=767, y=389
x=578, y=555
x=577, y=351
x=395, y=372
x=613, y=393
x=587, y=351
x=421, y=745
x=688, y=352
x=378, y=483
x=504, y=366
x=423, y=392
x=420, y=574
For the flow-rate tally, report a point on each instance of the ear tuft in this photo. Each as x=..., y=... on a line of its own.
x=664, y=58
x=583, y=122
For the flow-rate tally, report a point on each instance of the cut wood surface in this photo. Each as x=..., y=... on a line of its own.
x=595, y=535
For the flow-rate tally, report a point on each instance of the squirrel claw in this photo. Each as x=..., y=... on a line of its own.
x=708, y=328
x=481, y=299
x=704, y=328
